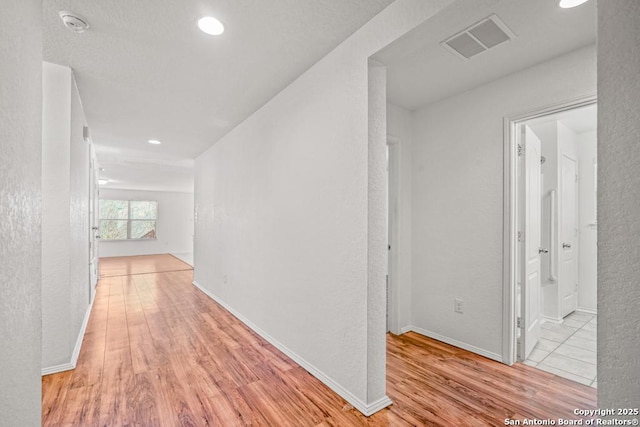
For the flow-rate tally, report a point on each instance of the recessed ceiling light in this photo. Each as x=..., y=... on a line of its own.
x=103, y=181
x=211, y=25
x=565, y=4
x=154, y=141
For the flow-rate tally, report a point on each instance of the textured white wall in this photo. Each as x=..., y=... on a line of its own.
x=174, y=226
x=618, y=204
x=56, y=226
x=399, y=126
x=79, y=280
x=377, y=237
x=65, y=225
x=282, y=228
x=20, y=184
x=588, y=274
x=458, y=197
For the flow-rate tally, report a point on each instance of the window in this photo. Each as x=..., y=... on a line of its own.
x=128, y=219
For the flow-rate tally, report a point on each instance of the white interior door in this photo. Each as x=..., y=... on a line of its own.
x=531, y=293
x=568, y=235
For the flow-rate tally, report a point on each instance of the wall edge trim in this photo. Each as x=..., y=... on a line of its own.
x=364, y=408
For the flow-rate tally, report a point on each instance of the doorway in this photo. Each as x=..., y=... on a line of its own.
x=553, y=239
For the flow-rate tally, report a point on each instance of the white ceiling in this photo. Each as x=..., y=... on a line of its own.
x=145, y=71
x=420, y=71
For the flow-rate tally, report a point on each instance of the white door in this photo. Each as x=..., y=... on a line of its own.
x=568, y=235
x=530, y=309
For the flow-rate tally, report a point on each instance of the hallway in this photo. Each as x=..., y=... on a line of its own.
x=158, y=352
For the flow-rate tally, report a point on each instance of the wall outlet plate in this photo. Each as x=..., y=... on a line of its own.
x=457, y=305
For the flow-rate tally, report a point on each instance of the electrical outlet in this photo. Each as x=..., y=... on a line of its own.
x=225, y=279
x=457, y=305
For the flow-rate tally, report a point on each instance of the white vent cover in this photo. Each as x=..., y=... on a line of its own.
x=479, y=37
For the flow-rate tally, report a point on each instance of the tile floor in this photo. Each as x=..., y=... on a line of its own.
x=568, y=349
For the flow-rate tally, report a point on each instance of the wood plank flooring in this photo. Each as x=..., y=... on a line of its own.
x=158, y=352
x=128, y=265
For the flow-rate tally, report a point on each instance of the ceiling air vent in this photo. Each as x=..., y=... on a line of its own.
x=481, y=36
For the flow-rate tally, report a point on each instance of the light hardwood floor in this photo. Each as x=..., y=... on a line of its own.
x=130, y=265
x=158, y=352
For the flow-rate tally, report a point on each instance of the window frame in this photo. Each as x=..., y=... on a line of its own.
x=129, y=220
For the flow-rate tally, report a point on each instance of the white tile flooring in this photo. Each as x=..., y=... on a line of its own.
x=568, y=349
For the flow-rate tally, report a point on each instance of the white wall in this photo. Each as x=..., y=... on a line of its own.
x=174, y=228
x=458, y=198
x=56, y=226
x=20, y=184
x=377, y=236
x=65, y=226
x=588, y=271
x=618, y=203
x=79, y=276
x=399, y=128
x=283, y=210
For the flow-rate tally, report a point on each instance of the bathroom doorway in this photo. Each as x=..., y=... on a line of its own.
x=555, y=240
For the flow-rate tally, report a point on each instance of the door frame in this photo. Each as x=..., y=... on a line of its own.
x=393, y=231
x=511, y=211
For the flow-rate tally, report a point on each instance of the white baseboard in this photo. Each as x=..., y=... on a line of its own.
x=551, y=319
x=406, y=329
x=477, y=350
x=366, y=409
x=80, y=339
x=374, y=407
x=560, y=320
x=76, y=350
x=58, y=368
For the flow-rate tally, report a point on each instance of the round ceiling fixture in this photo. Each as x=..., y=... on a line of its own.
x=73, y=22
x=211, y=25
x=566, y=4
x=154, y=142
